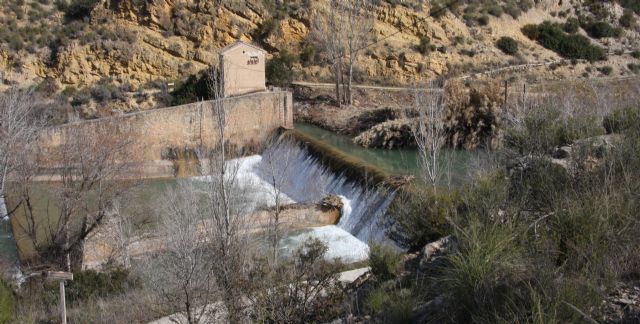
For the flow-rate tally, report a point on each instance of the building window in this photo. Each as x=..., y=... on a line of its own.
x=253, y=60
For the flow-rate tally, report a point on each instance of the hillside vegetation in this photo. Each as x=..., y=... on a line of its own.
x=105, y=57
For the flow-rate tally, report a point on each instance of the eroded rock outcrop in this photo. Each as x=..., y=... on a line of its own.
x=389, y=135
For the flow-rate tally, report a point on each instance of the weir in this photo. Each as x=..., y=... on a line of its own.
x=313, y=171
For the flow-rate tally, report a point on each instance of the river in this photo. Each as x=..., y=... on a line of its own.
x=398, y=161
x=8, y=251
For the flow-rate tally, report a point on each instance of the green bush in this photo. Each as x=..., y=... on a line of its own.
x=384, y=261
x=90, y=284
x=194, y=88
x=627, y=19
x=621, y=120
x=571, y=46
x=634, y=67
x=76, y=9
x=391, y=305
x=633, y=5
x=495, y=10
x=507, y=45
x=483, y=277
x=279, y=70
x=571, y=26
x=606, y=70
x=421, y=215
x=7, y=302
x=308, y=56
x=425, y=45
x=602, y=29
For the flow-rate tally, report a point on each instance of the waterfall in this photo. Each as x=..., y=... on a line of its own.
x=4, y=215
x=307, y=180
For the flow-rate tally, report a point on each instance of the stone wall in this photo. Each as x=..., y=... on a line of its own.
x=157, y=134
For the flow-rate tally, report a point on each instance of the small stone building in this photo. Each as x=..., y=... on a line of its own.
x=243, y=67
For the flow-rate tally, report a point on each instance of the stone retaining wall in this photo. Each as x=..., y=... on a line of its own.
x=157, y=134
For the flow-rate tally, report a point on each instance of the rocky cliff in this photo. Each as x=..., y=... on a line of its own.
x=136, y=42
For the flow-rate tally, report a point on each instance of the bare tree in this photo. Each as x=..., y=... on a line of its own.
x=182, y=275
x=19, y=129
x=430, y=133
x=278, y=158
x=226, y=207
x=359, y=22
x=84, y=166
x=329, y=35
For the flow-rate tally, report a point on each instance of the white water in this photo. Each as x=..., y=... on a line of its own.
x=309, y=181
x=340, y=244
x=305, y=180
x=258, y=192
x=4, y=215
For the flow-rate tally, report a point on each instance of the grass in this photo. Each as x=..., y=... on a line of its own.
x=7, y=302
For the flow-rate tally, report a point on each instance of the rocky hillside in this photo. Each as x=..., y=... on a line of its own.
x=139, y=45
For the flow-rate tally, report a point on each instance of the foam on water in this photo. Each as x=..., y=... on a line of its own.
x=306, y=180
x=309, y=181
x=258, y=191
x=340, y=243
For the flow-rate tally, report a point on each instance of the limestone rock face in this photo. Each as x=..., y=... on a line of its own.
x=289, y=34
x=389, y=135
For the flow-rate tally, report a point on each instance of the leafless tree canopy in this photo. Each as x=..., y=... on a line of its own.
x=343, y=33
x=84, y=167
x=19, y=129
x=430, y=133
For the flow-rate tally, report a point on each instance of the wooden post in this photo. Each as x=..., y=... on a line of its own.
x=63, y=306
x=61, y=277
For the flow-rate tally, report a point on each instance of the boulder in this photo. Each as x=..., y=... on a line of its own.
x=435, y=251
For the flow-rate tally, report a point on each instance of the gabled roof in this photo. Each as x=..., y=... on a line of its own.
x=239, y=43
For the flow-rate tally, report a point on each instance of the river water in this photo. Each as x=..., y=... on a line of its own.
x=399, y=161
x=310, y=182
x=8, y=251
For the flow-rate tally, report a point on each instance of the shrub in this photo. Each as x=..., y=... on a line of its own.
x=279, y=70
x=606, y=70
x=76, y=9
x=425, y=45
x=513, y=11
x=507, y=45
x=633, y=5
x=545, y=128
x=7, y=302
x=421, y=215
x=628, y=19
x=484, y=275
x=571, y=26
x=495, y=10
x=602, y=29
x=483, y=20
x=308, y=56
x=195, y=88
x=633, y=67
x=384, y=261
x=635, y=54
x=438, y=10
x=90, y=284
x=621, y=120
x=571, y=46
x=391, y=305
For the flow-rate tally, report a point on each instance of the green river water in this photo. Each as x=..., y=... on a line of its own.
x=399, y=161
